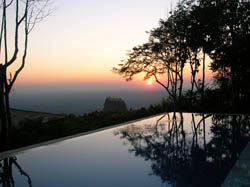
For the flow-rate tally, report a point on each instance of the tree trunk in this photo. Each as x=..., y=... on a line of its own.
x=235, y=90
x=4, y=111
x=203, y=77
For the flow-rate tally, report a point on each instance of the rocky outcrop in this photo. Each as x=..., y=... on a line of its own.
x=113, y=104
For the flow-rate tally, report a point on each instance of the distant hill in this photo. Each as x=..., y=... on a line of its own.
x=80, y=102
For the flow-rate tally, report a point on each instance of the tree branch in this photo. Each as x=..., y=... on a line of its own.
x=5, y=34
x=17, y=24
x=2, y=28
x=23, y=58
x=159, y=82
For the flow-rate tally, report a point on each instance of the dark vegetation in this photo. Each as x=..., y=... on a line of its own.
x=34, y=131
x=196, y=32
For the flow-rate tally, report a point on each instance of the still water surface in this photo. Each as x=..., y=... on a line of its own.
x=175, y=150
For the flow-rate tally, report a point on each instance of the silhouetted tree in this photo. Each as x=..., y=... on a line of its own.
x=153, y=59
x=171, y=46
x=165, y=54
x=226, y=39
x=194, y=30
x=26, y=14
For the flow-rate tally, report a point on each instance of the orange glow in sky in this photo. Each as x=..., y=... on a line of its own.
x=82, y=41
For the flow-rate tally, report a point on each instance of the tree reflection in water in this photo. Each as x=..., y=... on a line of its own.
x=6, y=172
x=190, y=156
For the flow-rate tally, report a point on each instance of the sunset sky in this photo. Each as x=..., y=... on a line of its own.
x=83, y=39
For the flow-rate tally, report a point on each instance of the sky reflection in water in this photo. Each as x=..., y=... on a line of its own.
x=166, y=150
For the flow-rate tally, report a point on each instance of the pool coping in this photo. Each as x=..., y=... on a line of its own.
x=239, y=175
x=12, y=152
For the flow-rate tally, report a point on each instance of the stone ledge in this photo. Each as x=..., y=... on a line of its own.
x=239, y=176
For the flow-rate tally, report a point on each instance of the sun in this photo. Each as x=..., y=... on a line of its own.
x=149, y=83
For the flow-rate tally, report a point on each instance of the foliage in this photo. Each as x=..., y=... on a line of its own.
x=169, y=49
x=35, y=131
x=194, y=30
x=226, y=39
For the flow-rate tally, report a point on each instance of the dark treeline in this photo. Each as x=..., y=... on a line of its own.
x=196, y=32
x=32, y=131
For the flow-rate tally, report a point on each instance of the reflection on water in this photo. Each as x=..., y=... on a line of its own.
x=195, y=154
x=175, y=149
x=6, y=175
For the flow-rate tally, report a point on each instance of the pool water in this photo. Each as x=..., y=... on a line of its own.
x=172, y=149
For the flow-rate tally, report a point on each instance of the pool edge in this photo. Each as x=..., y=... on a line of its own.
x=239, y=175
x=12, y=152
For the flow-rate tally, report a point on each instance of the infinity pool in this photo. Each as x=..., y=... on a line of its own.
x=175, y=150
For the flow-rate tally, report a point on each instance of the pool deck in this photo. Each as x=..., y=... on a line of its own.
x=239, y=176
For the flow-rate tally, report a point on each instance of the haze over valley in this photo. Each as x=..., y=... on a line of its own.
x=80, y=100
